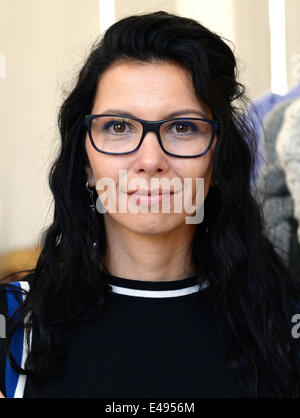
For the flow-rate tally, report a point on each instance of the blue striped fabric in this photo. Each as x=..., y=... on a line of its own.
x=11, y=376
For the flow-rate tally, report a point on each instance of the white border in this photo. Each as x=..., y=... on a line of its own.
x=106, y=14
x=278, y=46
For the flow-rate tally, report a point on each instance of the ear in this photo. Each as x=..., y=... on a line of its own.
x=90, y=176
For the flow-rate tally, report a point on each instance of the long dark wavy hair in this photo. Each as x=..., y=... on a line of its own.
x=257, y=294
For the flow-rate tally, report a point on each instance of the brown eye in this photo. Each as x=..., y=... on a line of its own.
x=185, y=127
x=119, y=126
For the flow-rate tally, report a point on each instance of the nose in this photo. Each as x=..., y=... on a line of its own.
x=150, y=157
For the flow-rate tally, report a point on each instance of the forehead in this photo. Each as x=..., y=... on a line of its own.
x=146, y=85
x=141, y=69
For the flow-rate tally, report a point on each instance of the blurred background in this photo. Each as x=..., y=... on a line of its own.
x=43, y=44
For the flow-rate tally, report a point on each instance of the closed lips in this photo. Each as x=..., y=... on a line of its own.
x=151, y=192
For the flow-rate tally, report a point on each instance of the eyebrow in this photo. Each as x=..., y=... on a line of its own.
x=170, y=115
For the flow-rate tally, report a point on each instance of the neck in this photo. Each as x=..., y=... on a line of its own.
x=162, y=257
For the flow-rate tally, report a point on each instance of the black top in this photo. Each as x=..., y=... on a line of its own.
x=154, y=339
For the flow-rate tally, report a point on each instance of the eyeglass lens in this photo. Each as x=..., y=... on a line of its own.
x=181, y=136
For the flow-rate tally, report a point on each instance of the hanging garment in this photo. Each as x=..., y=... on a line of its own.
x=274, y=195
x=271, y=181
x=288, y=150
x=257, y=113
x=264, y=104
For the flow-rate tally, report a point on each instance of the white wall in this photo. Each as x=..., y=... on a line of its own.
x=244, y=23
x=43, y=43
x=293, y=42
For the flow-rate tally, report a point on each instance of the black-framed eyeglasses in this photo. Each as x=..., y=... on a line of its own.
x=179, y=137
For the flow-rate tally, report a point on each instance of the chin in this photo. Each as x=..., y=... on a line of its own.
x=148, y=223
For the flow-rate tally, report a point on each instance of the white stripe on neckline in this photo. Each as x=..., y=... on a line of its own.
x=158, y=293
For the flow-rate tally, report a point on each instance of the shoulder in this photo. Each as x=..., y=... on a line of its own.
x=15, y=286
x=11, y=295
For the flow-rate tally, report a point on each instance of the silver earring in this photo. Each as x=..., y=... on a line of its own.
x=91, y=231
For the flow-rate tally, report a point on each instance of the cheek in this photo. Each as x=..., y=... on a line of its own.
x=204, y=173
x=201, y=169
x=102, y=165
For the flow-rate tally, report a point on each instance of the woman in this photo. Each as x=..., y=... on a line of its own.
x=149, y=304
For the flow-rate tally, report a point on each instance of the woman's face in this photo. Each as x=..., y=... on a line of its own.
x=149, y=91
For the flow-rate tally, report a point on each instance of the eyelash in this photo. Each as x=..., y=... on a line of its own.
x=190, y=124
